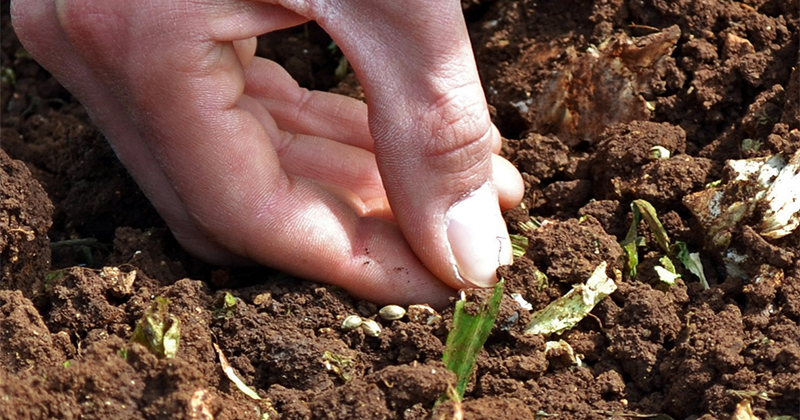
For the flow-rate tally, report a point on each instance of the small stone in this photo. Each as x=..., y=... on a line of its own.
x=371, y=328
x=351, y=322
x=391, y=312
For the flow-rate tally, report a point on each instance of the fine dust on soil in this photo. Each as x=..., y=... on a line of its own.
x=679, y=351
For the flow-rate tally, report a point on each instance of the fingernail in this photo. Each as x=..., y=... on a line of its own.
x=478, y=237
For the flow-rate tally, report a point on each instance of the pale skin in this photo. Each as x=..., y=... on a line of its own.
x=397, y=200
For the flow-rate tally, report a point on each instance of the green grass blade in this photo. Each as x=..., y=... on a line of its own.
x=692, y=262
x=649, y=215
x=519, y=245
x=472, y=323
x=631, y=243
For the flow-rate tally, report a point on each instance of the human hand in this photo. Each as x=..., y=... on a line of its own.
x=395, y=201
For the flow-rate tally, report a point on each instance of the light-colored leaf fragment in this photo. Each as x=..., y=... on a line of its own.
x=229, y=372
x=121, y=283
x=566, y=311
x=666, y=276
x=696, y=267
x=524, y=304
x=783, y=199
x=339, y=364
x=666, y=271
x=743, y=411
x=561, y=345
x=771, y=183
x=172, y=337
x=692, y=263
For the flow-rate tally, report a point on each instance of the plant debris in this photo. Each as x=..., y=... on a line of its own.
x=519, y=245
x=566, y=311
x=158, y=330
x=339, y=364
x=225, y=305
x=229, y=372
x=691, y=260
x=743, y=411
x=559, y=347
x=666, y=272
x=771, y=183
x=601, y=87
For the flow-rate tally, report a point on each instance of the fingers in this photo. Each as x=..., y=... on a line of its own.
x=508, y=182
x=327, y=125
x=433, y=134
x=206, y=139
x=173, y=107
x=246, y=50
x=298, y=110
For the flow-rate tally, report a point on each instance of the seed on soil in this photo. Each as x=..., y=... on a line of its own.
x=658, y=152
x=351, y=322
x=391, y=312
x=371, y=328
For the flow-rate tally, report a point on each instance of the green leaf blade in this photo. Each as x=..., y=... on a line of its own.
x=469, y=333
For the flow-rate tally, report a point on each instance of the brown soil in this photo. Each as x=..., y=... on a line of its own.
x=730, y=75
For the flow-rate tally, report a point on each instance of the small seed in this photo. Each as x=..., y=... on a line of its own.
x=351, y=322
x=391, y=312
x=371, y=328
x=658, y=152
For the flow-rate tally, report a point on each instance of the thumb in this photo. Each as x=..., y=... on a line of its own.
x=433, y=134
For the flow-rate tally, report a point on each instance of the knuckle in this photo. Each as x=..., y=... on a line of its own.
x=460, y=131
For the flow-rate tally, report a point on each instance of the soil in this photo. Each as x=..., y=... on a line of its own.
x=83, y=255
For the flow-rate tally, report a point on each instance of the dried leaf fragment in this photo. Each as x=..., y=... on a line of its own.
x=743, y=411
x=229, y=372
x=783, y=197
x=601, y=87
x=771, y=183
x=566, y=311
x=158, y=330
